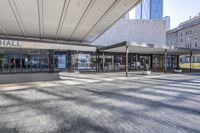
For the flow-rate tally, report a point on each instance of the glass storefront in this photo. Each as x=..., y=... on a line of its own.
x=83, y=61
x=117, y=61
x=23, y=60
x=34, y=60
x=159, y=61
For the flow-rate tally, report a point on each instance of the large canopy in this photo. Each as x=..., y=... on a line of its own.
x=69, y=20
x=142, y=48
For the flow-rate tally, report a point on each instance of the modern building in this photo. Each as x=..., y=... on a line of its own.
x=50, y=35
x=130, y=44
x=141, y=31
x=168, y=22
x=149, y=9
x=186, y=35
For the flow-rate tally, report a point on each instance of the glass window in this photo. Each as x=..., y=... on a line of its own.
x=60, y=60
x=196, y=44
x=23, y=60
x=84, y=61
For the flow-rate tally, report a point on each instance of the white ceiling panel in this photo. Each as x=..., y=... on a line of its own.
x=52, y=12
x=74, y=14
x=93, y=16
x=113, y=15
x=8, y=21
x=28, y=10
x=68, y=20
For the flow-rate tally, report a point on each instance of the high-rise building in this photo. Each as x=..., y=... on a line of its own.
x=149, y=9
x=167, y=20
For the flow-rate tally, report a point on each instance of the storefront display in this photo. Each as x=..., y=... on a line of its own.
x=18, y=60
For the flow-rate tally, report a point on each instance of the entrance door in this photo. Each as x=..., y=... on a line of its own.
x=1, y=63
x=35, y=62
x=26, y=63
x=4, y=64
x=15, y=64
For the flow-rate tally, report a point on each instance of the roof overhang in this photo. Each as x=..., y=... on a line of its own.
x=68, y=20
x=143, y=48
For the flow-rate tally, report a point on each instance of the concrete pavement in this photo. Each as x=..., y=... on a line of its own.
x=101, y=102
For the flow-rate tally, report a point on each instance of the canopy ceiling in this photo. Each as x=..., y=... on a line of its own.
x=69, y=20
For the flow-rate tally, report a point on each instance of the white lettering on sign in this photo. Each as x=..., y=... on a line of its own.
x=8, y=43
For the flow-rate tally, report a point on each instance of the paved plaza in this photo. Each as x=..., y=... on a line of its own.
x=99, y=102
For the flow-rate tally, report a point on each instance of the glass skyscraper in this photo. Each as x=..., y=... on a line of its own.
x=149, y=9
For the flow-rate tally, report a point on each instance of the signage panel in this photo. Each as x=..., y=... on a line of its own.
x=61, y=61
x=9, y=43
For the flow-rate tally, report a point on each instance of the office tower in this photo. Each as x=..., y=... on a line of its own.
x=167, y=19
x=149, y=9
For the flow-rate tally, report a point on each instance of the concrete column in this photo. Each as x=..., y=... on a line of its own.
x=96, y=63
x=103, y=60
x=177, y=59
x=136, y=60
x=113, y=64
x=114, y=61
x=190, y=61
x=69, y=61
x=165, y=61
x=126, y=60
x=98, y=60
x=51, y=61
x=151, y=61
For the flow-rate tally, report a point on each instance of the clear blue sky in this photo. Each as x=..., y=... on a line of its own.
x=179, y=10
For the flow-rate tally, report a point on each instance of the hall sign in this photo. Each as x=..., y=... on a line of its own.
x=9, y=43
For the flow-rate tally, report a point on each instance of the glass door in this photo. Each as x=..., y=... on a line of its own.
x=35, y=63
x=26, y=63
x=15, y=63
x=44, y=62
x=4, y=64
x=1, y=63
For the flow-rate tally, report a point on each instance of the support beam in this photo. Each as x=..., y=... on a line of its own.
x=51, y=61
x=165, y=71
x=114, y=61
x=69, y=63
x=113, y=64
x=136, y=60
x=126, y=60
x=151, y=61
x=177, y=59
x=40, y=17
x=103, y=61
x=17, y=16
x=96, y=62
x=190, y=61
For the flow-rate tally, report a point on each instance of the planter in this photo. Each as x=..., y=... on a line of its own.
x=178, y=70
x=146, y=72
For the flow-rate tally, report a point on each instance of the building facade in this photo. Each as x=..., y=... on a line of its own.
x=186, y=35
x=140, y=31
x=149, y=9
